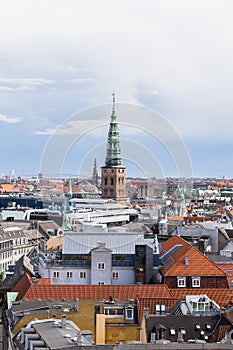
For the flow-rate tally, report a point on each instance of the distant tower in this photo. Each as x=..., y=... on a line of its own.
x=95, y=174
x=113, y=174
x=70, y=193
x=12, y=175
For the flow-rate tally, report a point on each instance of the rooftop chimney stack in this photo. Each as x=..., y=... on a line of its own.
x=186, y=260
x=63, y=321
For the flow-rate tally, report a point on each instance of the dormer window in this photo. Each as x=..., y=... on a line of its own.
x=182, y=330
x=129, y=313
x=172, y=331
x=160, y=309
x=181, y=282
x=196, y=282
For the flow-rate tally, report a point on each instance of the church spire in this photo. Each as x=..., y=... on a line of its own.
x=113, y=104
x=113, y=174
x=113, y=154
x=95, y=173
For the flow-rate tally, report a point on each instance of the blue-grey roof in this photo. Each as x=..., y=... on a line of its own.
x=118, y=242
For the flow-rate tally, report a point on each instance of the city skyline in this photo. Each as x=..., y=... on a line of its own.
x=63, y=59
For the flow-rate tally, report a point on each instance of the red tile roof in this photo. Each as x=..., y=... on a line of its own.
x=151, y=302
x=222, y=296
x=97, y=292
x=22, y=285
x=43, y=281
x=198, y=264
x=175, y=218
x=228, y=269
x=8, y=188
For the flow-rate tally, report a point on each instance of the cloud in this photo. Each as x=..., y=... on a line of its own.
x=82, y=80
x=72, y=127
x=23, y=84
x=9, y=120
x=30, y=84
x=47, y=131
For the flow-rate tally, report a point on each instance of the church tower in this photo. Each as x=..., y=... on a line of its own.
x=113, y=174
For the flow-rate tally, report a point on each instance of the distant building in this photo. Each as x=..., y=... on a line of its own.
x=113, y=174
x=98, y=211
x=14, y=243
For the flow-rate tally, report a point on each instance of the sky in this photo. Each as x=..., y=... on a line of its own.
x=169, y=63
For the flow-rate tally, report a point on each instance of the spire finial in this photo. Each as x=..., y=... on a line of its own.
x=113, y=103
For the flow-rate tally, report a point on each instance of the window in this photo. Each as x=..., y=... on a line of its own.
x=129, y=314
x=172, y=331
x=110, y=311
x=106, y=181
x=196, y=282
x=201, y=305
x=115, y=275
x=69, y=274
x=182, y=330
x=55, y=274
x=160, y=309
x=112, y=183
x=181, y=282
x=101, y=266
x=83, y=274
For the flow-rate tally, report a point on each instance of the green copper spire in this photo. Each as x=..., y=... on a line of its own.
x=113, y=156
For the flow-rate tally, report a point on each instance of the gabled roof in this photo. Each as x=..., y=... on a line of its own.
x=228, y=269
x=22, y=266
x=197, y=263
x=25, y=282
x=22, y=285
x=97, y=292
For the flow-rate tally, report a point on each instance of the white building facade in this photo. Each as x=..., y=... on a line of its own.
x=100, y=258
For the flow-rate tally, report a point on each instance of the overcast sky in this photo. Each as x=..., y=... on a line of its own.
x=60, y=58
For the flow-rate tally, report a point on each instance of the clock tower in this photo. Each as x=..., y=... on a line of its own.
x=113, y=174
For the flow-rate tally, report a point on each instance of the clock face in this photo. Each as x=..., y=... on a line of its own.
x=108, y=170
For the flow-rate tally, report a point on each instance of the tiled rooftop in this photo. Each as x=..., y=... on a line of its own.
x=22, y=285
x=151, y=302
x=228, y=269
x=97, y=292
x=198, y=264
x=222, y=296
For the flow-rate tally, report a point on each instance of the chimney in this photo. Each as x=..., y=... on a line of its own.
x=101, y=307
x=146, y=312
x=63, y=321
x=186, y=260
